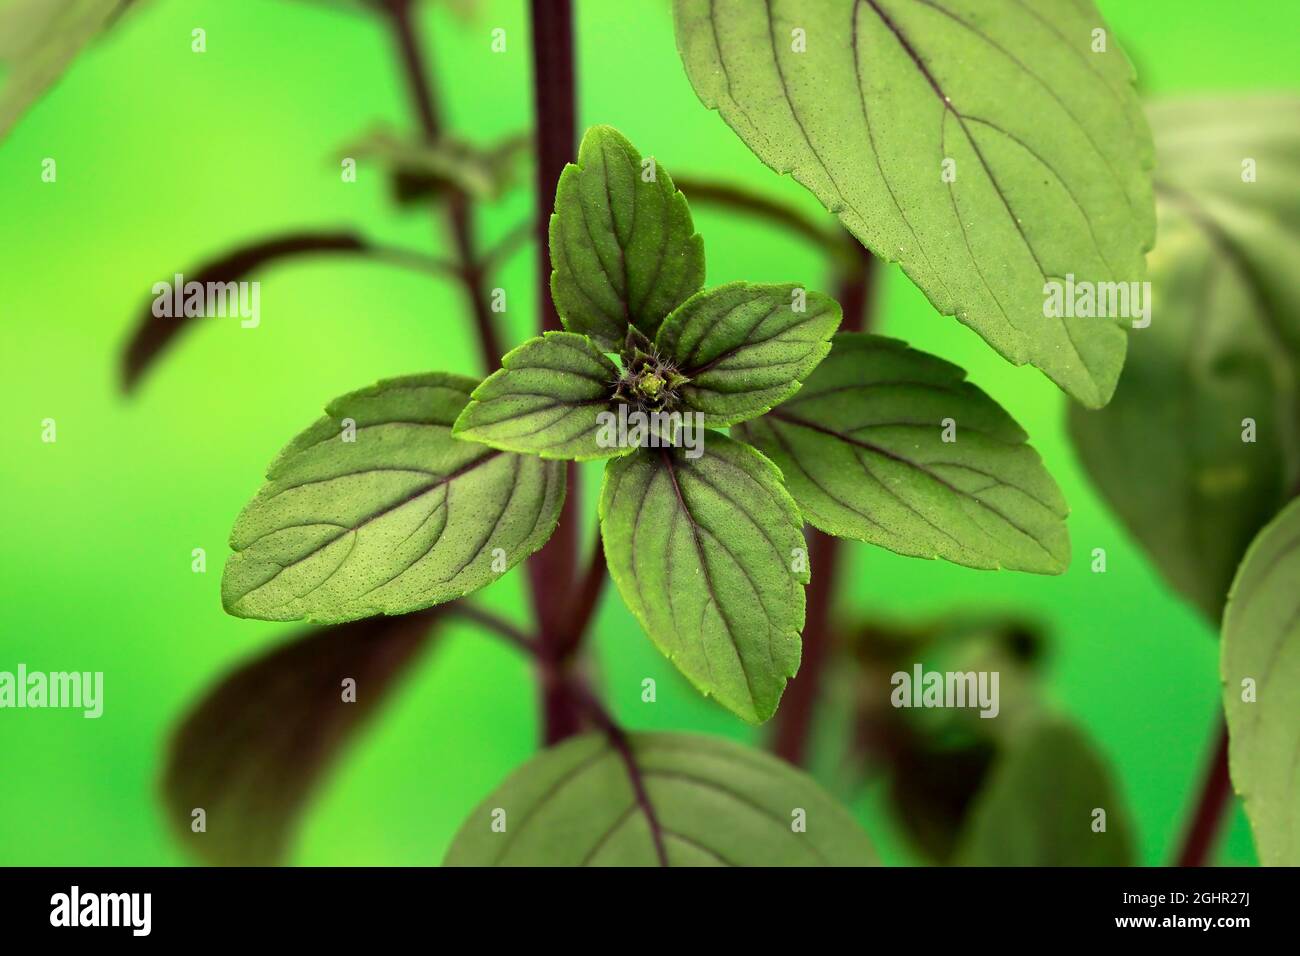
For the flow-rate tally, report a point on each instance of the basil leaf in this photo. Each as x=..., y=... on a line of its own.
x=1260, y=667
x=863, y=450
x=254, y=749
x=702, y=551
x=1039, y=806
x=624, y=249
x=1201, y=444
x=988, y=148
x=545, y=400
x=401, y=517
x=658, y=800
x=39, y=41
x=746, y=347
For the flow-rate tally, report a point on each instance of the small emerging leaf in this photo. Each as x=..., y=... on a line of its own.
x=544, y=400
x=892, y=446
x=1261, y=687
x=746, y=347
x=420, y=167
x=623, y=245
x=694, y=801
x=708, y=554
x=377, y=509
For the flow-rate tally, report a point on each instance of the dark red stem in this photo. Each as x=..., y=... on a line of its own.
x=420, y=87
x=1202, y=833
x=793, y=725
x=552, y=571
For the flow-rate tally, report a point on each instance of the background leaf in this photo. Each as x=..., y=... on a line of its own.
x=544, y=400
x=624, y=250
x=402, y=518
x=1261, y=642
x=420, y=168
x=39, y=39
x=1052, y=155
x=745, y=348
x=666, y=800
x=1037, y=807
x=861, y=447
x=256, y=746
x=702, y=551
x=154, y=333
x=1168, y=453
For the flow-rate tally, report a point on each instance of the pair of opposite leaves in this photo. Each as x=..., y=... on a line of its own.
x=420, y=490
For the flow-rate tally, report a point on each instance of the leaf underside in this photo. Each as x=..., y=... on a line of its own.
x=1050, y=150
x=544, y=400
x=1261, y=643
x=695, y=801
x=702, y=552
x=624, y=249
x=746, y=347
x=402, y=518
x=255, y=747
x=862, y=450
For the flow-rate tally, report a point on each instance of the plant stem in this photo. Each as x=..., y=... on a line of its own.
x=420, y=87
x=794, y=720
x=1201, y=835
x=552, y=570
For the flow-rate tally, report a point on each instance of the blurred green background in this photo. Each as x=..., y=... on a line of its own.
x=167, y=158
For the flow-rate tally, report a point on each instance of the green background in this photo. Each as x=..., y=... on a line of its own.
x=167, y=157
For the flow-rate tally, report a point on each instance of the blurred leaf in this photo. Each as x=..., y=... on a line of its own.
x=376, y=509
x=933, y=787
x=1050, y=154
x=1037, y=807
x=421, y=169
x=1261, y=644
x=658, y=800
x=251, y=753
x=544, y=400
x=39, y=39
x=745, y=347
x=624, y=248
x=702, y=551
x=863, y=453
x=155, y=333
x=1168, y=453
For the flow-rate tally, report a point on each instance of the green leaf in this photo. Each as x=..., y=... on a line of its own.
x=1261, y=643
x=39, y=39
x=624, y=249
x=1168, y=453
x=253, y=750
x=863, y=452
x=658, y=800
x=1049, y=148
x=420, y=167
x=401, y=518
x=544, y=400
x=702, y=550
x=1038, y=807
x=746, y=347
